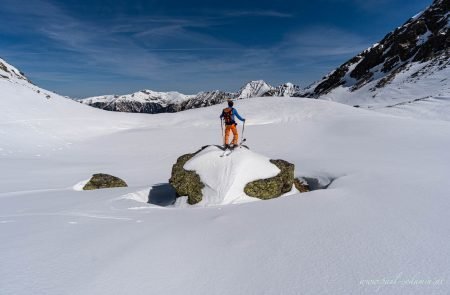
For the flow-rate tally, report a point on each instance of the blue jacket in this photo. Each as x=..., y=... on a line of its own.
x=234, y=113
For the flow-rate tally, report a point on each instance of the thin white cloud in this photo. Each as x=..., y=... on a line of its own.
x=368, y=5
x=262, y=13
x=323, y=41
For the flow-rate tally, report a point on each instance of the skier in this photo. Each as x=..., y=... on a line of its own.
x=228, y=115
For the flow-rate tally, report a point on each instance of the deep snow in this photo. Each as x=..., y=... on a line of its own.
x=384, y=217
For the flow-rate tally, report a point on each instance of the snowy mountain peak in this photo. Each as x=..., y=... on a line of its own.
x=254, y=89
x=7, y=71
x=287, y=89
x=418, y=48
x=169, y=96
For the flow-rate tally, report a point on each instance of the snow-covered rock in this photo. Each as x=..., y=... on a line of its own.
x=208, y=178
x=273, y=187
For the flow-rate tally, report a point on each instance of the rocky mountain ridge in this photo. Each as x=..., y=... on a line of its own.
x=423, y=39
x=148, y=101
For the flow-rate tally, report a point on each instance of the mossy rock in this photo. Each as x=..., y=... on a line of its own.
x=186, y=182
x=301, y=185
x=100, y=180
x=273, y=187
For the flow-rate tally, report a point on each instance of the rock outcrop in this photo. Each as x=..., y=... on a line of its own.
x=206, y=178
x=273, y=187
x=185, y=182
x=100, y=181
x=301, y=185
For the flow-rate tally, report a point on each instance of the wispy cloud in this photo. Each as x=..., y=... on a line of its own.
x=259, y=13
x=323, y=41
x=367, y=5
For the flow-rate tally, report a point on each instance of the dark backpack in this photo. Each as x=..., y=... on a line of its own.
x=228, y=116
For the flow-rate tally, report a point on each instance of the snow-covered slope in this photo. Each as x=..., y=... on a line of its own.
x=411, y=62
x=384, y=217
x=428, y=108
x=415, y=82
x=37, y=121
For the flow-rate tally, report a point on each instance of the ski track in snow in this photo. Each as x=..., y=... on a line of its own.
x=68, y=214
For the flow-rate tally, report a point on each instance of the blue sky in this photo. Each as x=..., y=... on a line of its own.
x=83, y=48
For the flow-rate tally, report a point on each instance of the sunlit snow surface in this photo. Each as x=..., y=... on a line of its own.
x=385, y=216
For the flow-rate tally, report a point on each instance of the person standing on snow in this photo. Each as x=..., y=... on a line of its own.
x=228, y=115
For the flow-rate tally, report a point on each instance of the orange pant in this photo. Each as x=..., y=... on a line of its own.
x=228, y=129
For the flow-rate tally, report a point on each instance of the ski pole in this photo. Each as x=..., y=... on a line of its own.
x=243, y=129
x=221, y=126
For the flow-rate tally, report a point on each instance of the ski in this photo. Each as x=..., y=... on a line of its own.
x=226, y=152
x=229, y=151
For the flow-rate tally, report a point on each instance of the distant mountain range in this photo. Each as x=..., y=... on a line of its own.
x=148, y=101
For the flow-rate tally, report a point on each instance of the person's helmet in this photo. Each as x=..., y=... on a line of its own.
x=230, y=103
